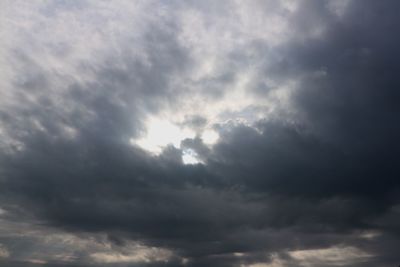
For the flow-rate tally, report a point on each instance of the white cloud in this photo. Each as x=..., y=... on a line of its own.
x=137, y=254
x=4, y=253
x=189, y=156
x=338, y=256
x=276, y=261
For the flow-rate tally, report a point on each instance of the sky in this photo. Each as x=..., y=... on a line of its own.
x=199, y=133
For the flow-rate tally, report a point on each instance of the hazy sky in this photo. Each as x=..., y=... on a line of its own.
x=199, y=133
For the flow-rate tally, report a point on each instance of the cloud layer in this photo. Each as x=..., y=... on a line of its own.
x=186, y=133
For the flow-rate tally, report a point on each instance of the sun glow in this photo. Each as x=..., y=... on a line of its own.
x=161, y=133
x=210, y=137
x=189, y=156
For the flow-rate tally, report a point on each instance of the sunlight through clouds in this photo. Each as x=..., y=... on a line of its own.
x=160, y=133
x=255, y=133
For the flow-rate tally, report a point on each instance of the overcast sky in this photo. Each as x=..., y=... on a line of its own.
x=199, y=133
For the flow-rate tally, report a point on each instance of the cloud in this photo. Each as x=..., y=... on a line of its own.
x=259, y=133
x=4, y=253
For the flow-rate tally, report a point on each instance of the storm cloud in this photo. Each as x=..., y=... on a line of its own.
x=199, y=133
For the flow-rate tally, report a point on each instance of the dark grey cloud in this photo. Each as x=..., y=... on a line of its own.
x=315, y=177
